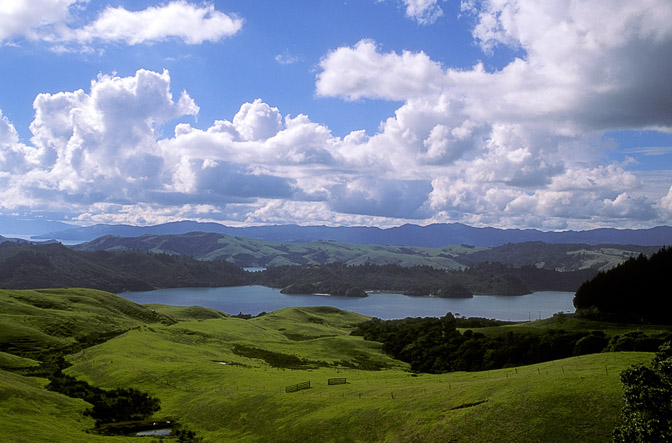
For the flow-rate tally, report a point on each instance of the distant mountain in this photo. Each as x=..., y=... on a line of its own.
x=431, y=236
x=19, y=226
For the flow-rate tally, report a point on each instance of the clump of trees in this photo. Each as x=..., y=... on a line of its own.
x=108, y=406
x=435, y=345
x=647, y=394
x=635, y=291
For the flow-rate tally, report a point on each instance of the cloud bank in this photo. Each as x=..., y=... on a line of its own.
x=522, y=146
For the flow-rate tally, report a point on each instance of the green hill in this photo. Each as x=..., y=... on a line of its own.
x=250, y=252
x=226, y=378
x=33, y=322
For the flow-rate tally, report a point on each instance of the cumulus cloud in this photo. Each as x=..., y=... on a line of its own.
x=257, y=120
x=52, y=21
x=521, y=138
x=519, y=146
x=363, y=72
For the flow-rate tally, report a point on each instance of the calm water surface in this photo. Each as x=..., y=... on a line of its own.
x=255, y=299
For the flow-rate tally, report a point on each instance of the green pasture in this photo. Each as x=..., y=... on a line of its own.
x=225, y=378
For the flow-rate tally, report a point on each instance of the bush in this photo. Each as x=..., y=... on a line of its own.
x=647, y=394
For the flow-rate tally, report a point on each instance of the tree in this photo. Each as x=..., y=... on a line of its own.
x=647, y=392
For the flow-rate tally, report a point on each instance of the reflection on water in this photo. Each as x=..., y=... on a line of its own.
x=255, y=299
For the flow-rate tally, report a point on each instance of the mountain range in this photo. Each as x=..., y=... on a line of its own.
x=430, y=236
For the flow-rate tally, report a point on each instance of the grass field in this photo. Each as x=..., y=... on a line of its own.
x=225, y=378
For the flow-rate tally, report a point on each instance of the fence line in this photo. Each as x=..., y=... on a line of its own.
x=297, y=387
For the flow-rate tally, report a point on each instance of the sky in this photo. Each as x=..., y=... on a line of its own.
x=552, y=115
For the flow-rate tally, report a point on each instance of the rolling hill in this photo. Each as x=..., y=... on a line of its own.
x=225, y=378
x=249, y=252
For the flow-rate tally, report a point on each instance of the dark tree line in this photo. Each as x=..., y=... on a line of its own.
x=108, y=406
x=435, y=345
x=484, y=278
x=637, y=290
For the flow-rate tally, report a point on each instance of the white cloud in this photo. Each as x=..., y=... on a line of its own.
x=526, y=137
x=522, y=145
x=666, y=202
x=257, y=121
x=363, y=72
x=423, y=11
x=99, y=146
x=52, y=21
x=178, y=19
x=31, y=18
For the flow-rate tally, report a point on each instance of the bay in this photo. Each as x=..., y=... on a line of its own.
x=255, y=299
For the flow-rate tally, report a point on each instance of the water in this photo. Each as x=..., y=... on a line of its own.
x=255, y=299
x=154, y=432
x=30, y=238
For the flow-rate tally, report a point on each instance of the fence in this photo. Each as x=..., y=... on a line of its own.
x=297, y=387
x=336, y=381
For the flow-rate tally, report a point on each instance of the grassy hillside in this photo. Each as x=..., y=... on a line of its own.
x=225, y=378
x=37, y=321
x=244, y=400
x=254, y=252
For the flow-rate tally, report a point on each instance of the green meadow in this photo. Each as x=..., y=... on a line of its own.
x=225, y=378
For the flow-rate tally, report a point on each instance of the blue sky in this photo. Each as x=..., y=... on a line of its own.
x=508, y=113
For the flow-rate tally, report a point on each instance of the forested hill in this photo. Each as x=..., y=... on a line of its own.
x=485, y=278
x=637, y=290
x=27, y=266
